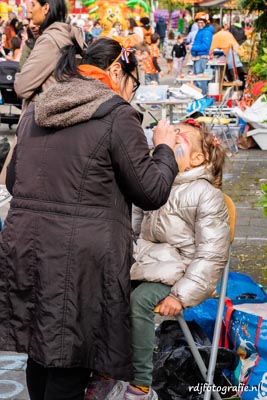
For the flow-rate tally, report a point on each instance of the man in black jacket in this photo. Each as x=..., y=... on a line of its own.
x=238, y=31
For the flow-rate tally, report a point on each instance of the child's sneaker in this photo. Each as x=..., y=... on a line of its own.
x=130, y=394
x=103, y=389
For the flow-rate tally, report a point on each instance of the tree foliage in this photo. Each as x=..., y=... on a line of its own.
x=263, y=199
x=260, y=7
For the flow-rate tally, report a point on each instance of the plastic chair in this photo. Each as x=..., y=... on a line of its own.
x=208, y=373
x=219, y=121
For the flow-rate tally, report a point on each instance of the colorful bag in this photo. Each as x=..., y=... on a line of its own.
x=246, y=328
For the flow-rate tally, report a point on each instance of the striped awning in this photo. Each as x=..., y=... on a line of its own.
x=211, y=3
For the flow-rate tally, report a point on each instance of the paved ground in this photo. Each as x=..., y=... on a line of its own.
x=243, y=175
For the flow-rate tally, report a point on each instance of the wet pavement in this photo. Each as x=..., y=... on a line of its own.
x=244, y=173
x=242, y=179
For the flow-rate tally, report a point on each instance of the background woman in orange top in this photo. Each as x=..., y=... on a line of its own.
x=147, y=29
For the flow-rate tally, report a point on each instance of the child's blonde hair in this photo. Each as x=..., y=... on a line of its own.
x=214, y=153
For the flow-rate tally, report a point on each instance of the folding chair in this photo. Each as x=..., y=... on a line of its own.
x=236, y=82
x=208, y=373
x=219, y=121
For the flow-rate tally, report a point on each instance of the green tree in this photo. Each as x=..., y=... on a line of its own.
x=259, y=7
x=263, y=199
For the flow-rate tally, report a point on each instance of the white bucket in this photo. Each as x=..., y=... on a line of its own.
x=213, y=88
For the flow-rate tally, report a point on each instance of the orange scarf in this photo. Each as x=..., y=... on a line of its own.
x=98, y=73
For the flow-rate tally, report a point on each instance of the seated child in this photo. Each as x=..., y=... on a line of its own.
x=182, y=248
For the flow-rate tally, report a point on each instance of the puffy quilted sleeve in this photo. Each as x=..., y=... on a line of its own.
x=212, y=237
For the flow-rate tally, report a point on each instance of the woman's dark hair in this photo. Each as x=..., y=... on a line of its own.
x=132, y=23
x=31, y=39
x=97, y=22
x=101, y=53
x=20, y=34
x=16, y=24
x=57, y=12
x=144, y=21
x=15, y=43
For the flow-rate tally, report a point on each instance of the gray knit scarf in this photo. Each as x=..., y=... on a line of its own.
x=68, y=103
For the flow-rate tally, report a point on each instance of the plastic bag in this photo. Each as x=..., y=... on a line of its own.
x=176, y=375
x=256, y=115
x=200, y=105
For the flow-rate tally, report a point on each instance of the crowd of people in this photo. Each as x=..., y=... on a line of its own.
x=75, y=296
x=156, y=40
x=206, y=39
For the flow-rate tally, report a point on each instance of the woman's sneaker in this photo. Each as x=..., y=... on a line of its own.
x=103, y=389
x=130, y=395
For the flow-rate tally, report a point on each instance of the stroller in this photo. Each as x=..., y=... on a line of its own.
x=8, y=70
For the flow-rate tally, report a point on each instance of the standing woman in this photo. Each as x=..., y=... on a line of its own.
x=133, y=28
x=66, y=246
x=37, y=73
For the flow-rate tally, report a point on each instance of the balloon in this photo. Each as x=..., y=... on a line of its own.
x=89, y=2
x=4, y=10
x=93, y=10
x=143, y=4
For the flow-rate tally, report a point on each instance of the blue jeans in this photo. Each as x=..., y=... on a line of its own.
x=143, y=300
x=199, y=68
x=151, y=77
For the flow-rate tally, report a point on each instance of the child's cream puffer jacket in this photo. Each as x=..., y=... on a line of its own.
x=185, y=243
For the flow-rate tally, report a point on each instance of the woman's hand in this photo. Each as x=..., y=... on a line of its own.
x=170, y=306
x=164, y=133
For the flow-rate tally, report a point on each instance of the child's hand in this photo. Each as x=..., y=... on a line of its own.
x=161, y=74
x=164, y=133
x=170, y=306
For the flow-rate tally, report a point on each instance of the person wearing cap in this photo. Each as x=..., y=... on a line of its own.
x=200, y=49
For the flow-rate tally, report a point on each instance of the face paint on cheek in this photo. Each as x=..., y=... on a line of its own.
x=184, y=135
x=180, y=151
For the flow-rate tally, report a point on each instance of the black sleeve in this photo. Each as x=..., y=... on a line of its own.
x=155, y=63
x=11, y=172
x=184, y=51
x=146, y=181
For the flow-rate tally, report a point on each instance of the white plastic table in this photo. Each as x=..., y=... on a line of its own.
x=166, y=106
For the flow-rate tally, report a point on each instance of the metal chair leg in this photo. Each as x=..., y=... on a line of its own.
x=217, y=330
x=208, y=373
x=196, y=354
